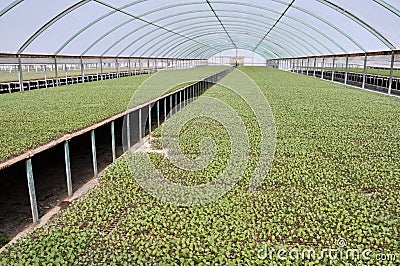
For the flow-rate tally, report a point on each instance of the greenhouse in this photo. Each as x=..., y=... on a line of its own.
x=189, y=132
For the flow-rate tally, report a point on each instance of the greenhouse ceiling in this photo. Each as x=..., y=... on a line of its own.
x=198, y=28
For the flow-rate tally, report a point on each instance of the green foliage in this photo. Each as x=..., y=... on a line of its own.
x=4, y=239
x=335, y=175
x=371, y=71
x=6, y=76
x=35, y=117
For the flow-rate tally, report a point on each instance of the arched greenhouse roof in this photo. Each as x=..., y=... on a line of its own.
x=198, y=28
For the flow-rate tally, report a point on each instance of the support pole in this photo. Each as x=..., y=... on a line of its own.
x=101, y=68
x=82, y=70
x=180, y=100
x=346, y=74
x=97, y=71
x=302, y=66
x=391, y=73
x=158, y=113
x=170, y=103
x=365, y=70
x=68, y=168
x=184, y=97
x=129, y=67
x=45, y=75
x=149, y=119
x=117, y=67
x=94, y=154
x=20, y=76
x=322, y=67
x=56, y=71
x=333, y=69
x=128, y=130
x=32, y=193
x=140, y=124
x=165, y=109
x=114, y=151
x=315, y=66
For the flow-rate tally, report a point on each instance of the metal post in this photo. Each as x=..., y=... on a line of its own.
x=322, y=67
x=101, y=68
x=129, y=67
x=95, y=170
x=184, y=97
x=114, y=151
x=170, y=103
x=180, y=100
x=20, y=76
x=365, y=70
x=56, y=71
x=158, y=113
x=32, y=193
x=308, y=65
x=165, y=109
x=128, y=130
x=391, y=72
x=117, y=67
x=45, y=75
x=82, y=71
x=68, y=168
x=149, y=119
x=333, y=69
x=315, y=66
x=302, y=66
x=176, y=101
x=140, y=124
x=346, y=74
x=97, y=71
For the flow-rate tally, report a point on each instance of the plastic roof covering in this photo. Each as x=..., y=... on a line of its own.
x=198, y=28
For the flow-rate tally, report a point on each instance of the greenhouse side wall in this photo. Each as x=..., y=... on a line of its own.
x=28, y=72
x=376, y=71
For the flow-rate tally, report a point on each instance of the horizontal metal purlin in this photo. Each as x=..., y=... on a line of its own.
x=397, y=52
x=13, y=56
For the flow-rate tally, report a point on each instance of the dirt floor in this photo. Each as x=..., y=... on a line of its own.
x=50, y=180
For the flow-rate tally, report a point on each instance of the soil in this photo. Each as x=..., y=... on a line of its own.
x=50, y=180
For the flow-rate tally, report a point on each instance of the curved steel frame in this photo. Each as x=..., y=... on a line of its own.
x=167, y=40
x=238, y=3
x=283, y=33
x=277, y=46
x=225, y=16
x=268, y=43
x=192, y=30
